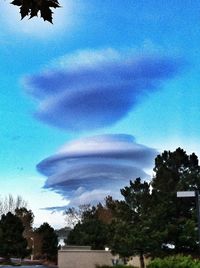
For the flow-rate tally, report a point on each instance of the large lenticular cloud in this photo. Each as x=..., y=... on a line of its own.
x=97, y=93
x=86, y=170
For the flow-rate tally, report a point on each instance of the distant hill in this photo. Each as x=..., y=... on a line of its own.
x=63, y=232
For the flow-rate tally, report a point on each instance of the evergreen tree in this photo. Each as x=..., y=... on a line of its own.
x=90, y=230
x=26, y=216
x=175, y=219
x=157, y=222
x=130, y=229
x=12, y=242
x=49, y=241
x=89, y=233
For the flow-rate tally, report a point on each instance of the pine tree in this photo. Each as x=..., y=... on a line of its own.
x=151, y=219
x=49, y=241
x=12, y=242
x=175, y=219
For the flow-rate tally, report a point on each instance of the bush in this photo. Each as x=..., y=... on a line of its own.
x=178, y=261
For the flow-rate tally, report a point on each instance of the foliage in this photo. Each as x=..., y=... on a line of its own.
x=129, y=230
x=92, y=233
x=31, y=8
x=12, y=242
x=151, y=219
x=49, y=241
x=175, y=262
x=174, y=219
x=10, y=204
x=74, y=215
x=26, y=216
x=92, y=227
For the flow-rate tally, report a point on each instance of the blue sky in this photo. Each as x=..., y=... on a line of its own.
x=88, y=102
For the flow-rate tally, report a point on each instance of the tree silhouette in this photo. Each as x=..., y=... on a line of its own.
x=10, y=204
x=12, y=242
x=49, y=241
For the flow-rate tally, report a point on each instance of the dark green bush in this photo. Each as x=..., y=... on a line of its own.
x=178, y=261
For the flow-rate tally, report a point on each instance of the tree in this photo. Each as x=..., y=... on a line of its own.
x=31, y=8
x=89, y=233
x=151, y=219
x=49, y=241
x=175, y=171
x=26, y=216
x=10, y=204
x=12, y=242
x=129, y=230
x=91, y=230
x=74, y=215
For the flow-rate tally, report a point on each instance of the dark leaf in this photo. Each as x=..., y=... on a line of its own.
x=46, y=14
x=32, y=7
x=34, y=12
x=17, y=2
x=53, y=3
x=24, y=11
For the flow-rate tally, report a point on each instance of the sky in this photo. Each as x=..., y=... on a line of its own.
x=87, y=103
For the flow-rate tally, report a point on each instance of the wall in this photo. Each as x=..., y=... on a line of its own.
x=83, y=258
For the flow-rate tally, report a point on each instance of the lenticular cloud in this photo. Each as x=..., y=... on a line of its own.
x=98, y=91
x=91, y=168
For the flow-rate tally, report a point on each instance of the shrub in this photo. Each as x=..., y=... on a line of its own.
x=178, y=261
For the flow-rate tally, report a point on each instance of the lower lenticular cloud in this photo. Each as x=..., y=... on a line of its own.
x=97, y=92
x=86, y=170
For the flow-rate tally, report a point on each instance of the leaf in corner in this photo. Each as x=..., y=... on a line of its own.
x=46, y=13
x=17, y=2
x=32, y=7
x=24, y=10
x=34, y=12
x=53, y=3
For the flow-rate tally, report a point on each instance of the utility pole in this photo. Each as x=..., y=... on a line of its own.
x=198, y=213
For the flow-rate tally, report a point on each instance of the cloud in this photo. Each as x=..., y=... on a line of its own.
x=88, y=169
x=95, y=89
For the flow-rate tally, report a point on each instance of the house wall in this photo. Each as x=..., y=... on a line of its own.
x=83, y=258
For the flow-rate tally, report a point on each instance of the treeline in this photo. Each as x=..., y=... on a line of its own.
x=19, y=239
x=150, y=219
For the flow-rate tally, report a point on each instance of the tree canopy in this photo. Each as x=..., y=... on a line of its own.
x=49, y=241
x=26, y=216
x=12, y=242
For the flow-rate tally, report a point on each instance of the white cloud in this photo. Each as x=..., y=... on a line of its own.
x=88, y=57
x=89, y=197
